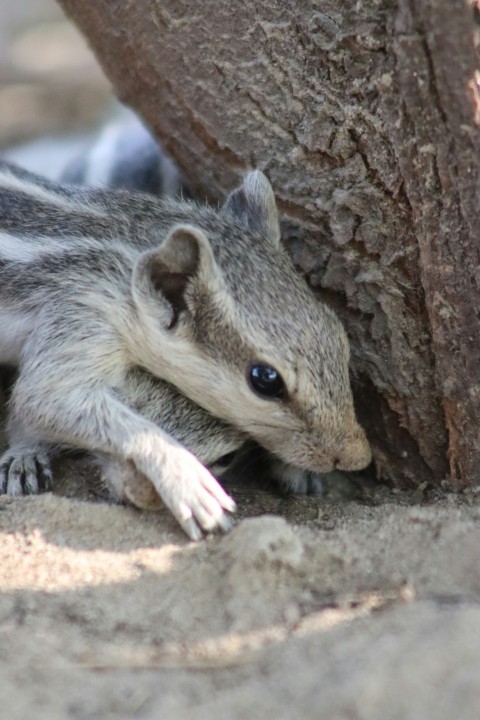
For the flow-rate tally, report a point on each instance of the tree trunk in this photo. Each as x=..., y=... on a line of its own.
x=363, y=115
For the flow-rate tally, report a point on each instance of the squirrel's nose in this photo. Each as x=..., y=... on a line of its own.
x=355, y=453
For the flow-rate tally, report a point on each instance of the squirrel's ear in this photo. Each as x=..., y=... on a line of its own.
x=253, y=203
x=164, y=273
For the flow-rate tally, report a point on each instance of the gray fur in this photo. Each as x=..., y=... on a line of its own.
x=122, y=154
x=97, y=283
x=125, y=155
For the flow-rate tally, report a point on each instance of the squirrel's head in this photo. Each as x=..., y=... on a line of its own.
x=230, y=322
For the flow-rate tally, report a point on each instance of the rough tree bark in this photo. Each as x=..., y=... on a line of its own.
x=363, y=116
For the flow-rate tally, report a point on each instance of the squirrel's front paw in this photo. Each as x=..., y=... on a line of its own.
x=24, y=471
x=187, y=488
x=294, y=480
x=197, y=500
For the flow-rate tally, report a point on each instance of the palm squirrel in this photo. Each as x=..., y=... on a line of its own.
x=97, y=283
x=123, y=153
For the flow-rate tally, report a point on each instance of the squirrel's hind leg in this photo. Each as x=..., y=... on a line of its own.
x=25, y=470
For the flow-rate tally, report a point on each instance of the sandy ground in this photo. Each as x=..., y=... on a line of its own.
x=310, y=608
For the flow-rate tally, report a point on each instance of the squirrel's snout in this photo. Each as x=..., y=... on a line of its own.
x=355, y=453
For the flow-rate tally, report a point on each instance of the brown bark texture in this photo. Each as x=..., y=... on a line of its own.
x=365, y=118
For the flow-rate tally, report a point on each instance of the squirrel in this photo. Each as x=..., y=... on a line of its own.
x=97, y=283
x=124, y=154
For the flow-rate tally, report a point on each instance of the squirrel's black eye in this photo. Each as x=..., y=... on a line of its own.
x=266, y=381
